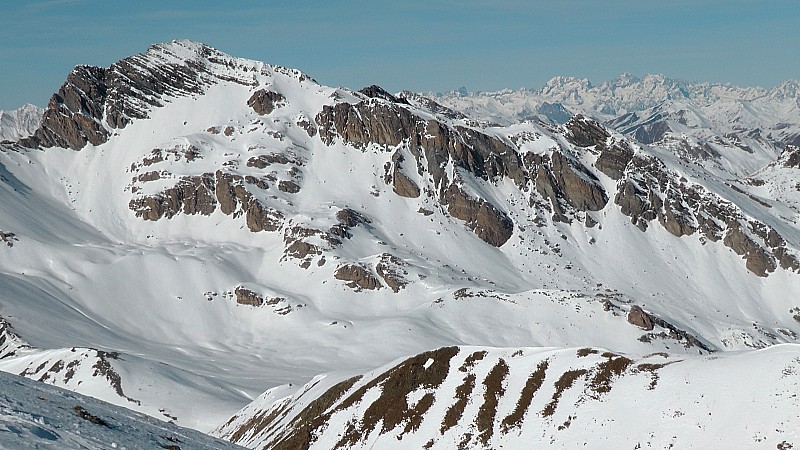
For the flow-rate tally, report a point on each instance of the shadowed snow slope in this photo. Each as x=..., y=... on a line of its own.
x=34, y=415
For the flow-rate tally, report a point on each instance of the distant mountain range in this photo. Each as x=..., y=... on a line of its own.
x=19, y=123
x=234, y=247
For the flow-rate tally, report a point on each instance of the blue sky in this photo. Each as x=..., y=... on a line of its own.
x=413, y=44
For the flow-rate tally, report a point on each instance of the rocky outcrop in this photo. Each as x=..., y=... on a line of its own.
x=757, y=259
x=357, y=277
x=191, y=195
x=585, y=132
x=641, y=319
x=260, y=217
x=391, y=270
x=288, y=186
x=8, y=238
x=613, y=160
x=264, y=102
x=376, y=91
x=433, y=144
x=93, y=101
x=74, y=114
x=247, y=297
x=487, y=222
x=403, y=185
x=230, y=192
x=373, y=122
x=306, y=243
x=651, y=192
x=567, y=184
x=790, y=157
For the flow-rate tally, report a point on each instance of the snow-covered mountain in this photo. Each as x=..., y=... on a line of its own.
x=187, y=230
x=462, y=397
x=35, y=415
x=20, y=123
x=732, y=130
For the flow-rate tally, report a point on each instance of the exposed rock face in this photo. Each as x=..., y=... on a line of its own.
x=95, y=100
x=262, y=218
x=567, y=184
x=264, y=102
x=350, y=218
x=373, y=122
x=404, y=186
x=376, y=91
x=433, y=144
x=649, y=191
x=391, y=269
x=790, y=156
x=247, y=297
x=580, y=187
x=613, y=160
x=8, y=238
x=584, y=132
x=641, y=319
x=306, y=243
x=289, y=186
x=757, y=259
x=192, y=195
x=230, y=192
x=74, y=115
x=358, y=277
x=10, y=342
x=486, y=221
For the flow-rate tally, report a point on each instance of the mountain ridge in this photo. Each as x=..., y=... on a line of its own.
x=239, y=227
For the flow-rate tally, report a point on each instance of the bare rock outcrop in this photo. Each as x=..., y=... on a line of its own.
x=94, y=100
x=264, y=102
x=641, y=319
x=74, y=114
x=191, y=195
x=357, y=277
x=613, y=160
x=487, y=222
x=567, y=184
x=404, y=186
x=247, y=297
x=585, y=132
x=392, y=270
x=649, y=192
x=376, y=91
x=260, y=217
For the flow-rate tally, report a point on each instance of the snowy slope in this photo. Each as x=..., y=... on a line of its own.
x=34, y=415
x=224, y=226
x=19, y=123
x=468, y=397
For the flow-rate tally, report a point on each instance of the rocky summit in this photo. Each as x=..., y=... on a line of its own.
x=234, y=247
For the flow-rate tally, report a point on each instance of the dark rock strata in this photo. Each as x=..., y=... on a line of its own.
x=486, y=221
x=264, y=102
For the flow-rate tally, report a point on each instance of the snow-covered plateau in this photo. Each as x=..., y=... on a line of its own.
x=233, y=247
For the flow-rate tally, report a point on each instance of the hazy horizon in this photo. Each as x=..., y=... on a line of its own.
x=419, y=46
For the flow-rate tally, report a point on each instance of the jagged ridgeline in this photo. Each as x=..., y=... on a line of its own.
x=423, y=143
x=277, y=229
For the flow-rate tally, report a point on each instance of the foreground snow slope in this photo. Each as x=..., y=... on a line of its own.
x=34, y=415
x=480, y=397
x=206, y=228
